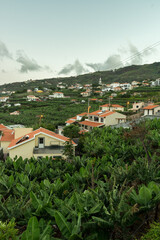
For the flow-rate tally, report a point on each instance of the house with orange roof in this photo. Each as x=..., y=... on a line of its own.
x=117, y=89
x=151, y=110
x=112, y=107
x=85, y=94
x=4, y=99
x=15, y=113
x=58, y=95
x=101, y=118
x=39, y=143
x=78, y=117
x=7, y=135
x=32, y=98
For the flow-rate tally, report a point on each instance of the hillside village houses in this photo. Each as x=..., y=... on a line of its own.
x=27, y=143
x=112, y=107
x=58, y=95
x=15, y=113
x=101, y=118
x=4, y=99
x=32, y=98
x=151, y=110
x=137, y=106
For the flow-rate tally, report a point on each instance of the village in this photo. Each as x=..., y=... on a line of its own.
x=26, y=141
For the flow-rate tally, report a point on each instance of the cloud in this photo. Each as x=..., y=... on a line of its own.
x=4, y=52
x=3, y=71
x=115, y=61
x=27, y=64
x=76, y=67
x=111, y=63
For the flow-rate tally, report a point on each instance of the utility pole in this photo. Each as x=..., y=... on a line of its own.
x=88, y=106
x=109, y=103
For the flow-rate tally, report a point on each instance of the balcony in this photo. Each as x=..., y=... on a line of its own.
x=49, y=150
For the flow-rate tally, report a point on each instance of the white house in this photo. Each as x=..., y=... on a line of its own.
x=126, y=86
x=58, y=95
x=32, y=98
x=112, y=107
x=15, y=113
x=78, y=117
x=137, y=106
x=4, y=99
x=101, y=118
x=114, y=85
x=151, y=110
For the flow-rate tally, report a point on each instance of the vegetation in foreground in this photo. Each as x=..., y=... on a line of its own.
x=111, y=191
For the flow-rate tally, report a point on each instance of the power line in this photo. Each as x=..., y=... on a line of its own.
x=137, y=54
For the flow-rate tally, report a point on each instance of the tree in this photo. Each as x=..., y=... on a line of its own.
x=71, y=131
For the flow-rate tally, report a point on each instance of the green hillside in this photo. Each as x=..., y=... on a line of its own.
x=126, y=74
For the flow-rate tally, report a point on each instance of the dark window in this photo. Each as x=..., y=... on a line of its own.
x=41, y=140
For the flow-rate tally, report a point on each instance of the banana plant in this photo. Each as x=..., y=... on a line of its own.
x=69, y=230
x=37, y=230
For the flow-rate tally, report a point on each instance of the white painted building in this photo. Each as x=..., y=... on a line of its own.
x=58, y=95
x=151, y=110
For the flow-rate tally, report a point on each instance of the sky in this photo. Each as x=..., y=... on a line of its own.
x=56, y=38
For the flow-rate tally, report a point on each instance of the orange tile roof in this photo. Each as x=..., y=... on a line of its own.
x=91, y=124
x=7, y=136
x=107, y=114
x=151, y=106
x=112, y=105
x=97, y=113
x=32, y=136
x=82, y=114
x=70, y=121
x=2, y=127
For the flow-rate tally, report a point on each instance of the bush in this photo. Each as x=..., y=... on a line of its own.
x=8, y=231
x=153, y=233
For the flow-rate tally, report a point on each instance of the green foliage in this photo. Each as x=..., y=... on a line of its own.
x=37, y=230
x=71, y=131
x=153, y=232
x=109, y=192
x=8, y=231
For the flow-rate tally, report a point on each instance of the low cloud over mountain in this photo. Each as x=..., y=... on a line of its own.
x=114, y=61
x=4, y=52
x=27, y=64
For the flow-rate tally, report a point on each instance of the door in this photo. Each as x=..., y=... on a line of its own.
x=41, y=142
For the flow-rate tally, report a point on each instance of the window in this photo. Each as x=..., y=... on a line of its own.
x=102, y=120
x=41, y=140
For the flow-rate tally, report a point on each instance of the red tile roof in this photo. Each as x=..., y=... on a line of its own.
x=32, y=136
x=2, y=127
x=112, y=105
x=91, y=124
x=151, y=106
x=74, y=117
x=7, y=136
x=70, y=121
x=107, y=114
x=101, y=113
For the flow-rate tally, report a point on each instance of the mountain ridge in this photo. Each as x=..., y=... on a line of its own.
x=125, y=74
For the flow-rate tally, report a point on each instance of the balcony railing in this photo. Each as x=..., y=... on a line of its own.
x=49, y=150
